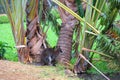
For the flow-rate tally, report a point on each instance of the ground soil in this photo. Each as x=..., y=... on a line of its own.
x=18, y=71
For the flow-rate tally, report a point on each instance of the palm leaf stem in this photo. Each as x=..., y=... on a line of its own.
x=93, y=7
x=75, y=15
x=85, y=49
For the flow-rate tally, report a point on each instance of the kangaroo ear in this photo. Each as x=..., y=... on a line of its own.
x=58, y=49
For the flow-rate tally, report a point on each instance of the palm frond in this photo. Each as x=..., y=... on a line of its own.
x=76, y=15
x=15, y=13
x=99, y=5
x=109, y=46
x=115, y=3
x=76, y=41
x=49, y=16
x=116, y=29
x=80, y=8
x=110, y=15
x=53, y=17
x=113, y=65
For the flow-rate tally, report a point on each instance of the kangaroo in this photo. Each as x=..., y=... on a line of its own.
x=49, y=55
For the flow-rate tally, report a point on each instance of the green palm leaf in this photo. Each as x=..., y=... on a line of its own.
x=109, y=46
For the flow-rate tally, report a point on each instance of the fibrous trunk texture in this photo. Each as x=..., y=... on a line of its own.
x=33, y=33
x=66, y=32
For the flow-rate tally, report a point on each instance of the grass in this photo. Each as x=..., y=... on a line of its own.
x=6, y=34
x=7, y=37
x=53, y=72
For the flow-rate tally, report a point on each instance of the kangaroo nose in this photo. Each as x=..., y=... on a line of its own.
x=50, y=61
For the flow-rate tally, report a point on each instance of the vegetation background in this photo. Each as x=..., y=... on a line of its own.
x=104, y=42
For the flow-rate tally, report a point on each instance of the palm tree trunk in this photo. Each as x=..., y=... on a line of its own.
x=66, y=32
x=33, y=33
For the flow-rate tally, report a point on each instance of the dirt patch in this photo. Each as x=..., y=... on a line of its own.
x=18, y=71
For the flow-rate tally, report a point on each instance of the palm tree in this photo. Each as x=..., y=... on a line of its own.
x=111, y=36
x=66, y=31
x=35, y=37
x=15, y=13
x=87, y=36
x=93, y=16
x=34, y=43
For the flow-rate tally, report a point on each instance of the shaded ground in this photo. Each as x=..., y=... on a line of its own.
x=115, y=76
x=18, y=71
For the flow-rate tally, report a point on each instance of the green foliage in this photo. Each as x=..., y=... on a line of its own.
x=52, y=21
x=111, y=47
x=4, y=19
x=102, y=66
x=110, y=14
x=16, y=12
x=51, y=37
x=116, y=29
x=13, y=56
x=3, y=47
x=115, y=3
x=51, y=26
x=104, y=42
x=55, y=12
x=54, y=17
x=7, y=37
x=117, y=17
x=73, y=61
x=114, y=65
x=80, y=8
x=5, y=52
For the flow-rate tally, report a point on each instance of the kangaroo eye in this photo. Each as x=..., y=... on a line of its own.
x=47, y=59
